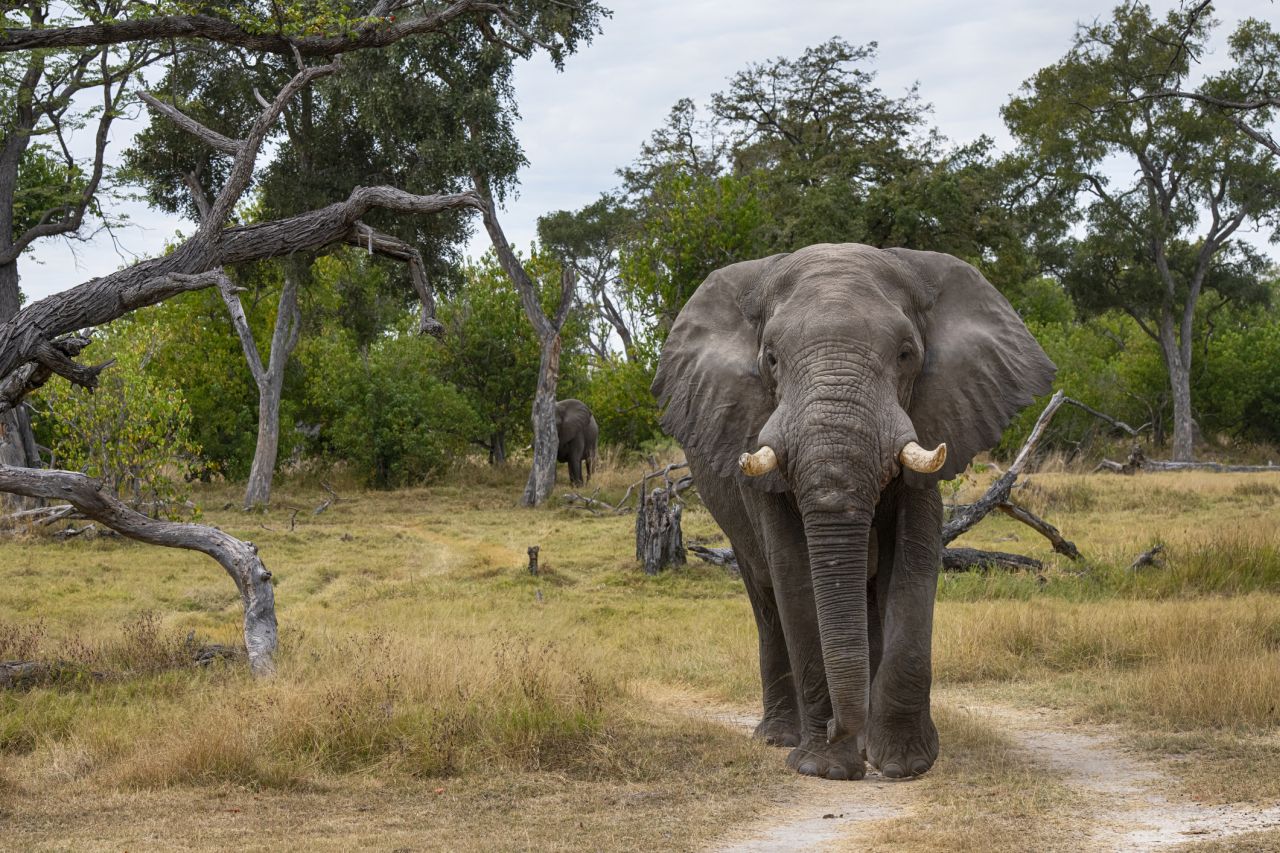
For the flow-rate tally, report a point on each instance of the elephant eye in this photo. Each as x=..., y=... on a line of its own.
x=905, y=354
x=770, y=358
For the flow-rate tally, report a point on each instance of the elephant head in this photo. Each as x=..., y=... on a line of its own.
x=828, y=373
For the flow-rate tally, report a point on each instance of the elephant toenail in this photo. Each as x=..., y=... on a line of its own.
x=809, y=768
x=892, y=771
x=919, y=766
x=838, y=774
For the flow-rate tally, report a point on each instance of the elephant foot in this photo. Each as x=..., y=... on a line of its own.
x=778, y=731
x=816, y=757
x=903, y=749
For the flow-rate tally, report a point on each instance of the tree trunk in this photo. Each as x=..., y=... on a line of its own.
x=258, y=491
x=1183, y=422
x=1179, y=370
x=269, y=379
x=659, y=540
x=498, y=448
x=17, y=442
x=546, y=441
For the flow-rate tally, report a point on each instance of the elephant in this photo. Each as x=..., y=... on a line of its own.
x=805, y=388
x=578, y=434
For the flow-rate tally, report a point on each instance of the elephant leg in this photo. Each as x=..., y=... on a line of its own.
x=575, y=463
x=901, y=739
x=780, y=724
x=788, y=561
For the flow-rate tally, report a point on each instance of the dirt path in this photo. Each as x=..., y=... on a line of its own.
x=1132, y=810
x=1134, y=813
x=816, y=812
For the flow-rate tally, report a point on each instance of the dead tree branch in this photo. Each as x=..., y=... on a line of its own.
x=28, y=378
x=999, y=491
x=195, y=265
x=1150, y=557
x=1102, y=416
x=1044, y=528
x=718, y=557
x=239, y=559
x=366, y=237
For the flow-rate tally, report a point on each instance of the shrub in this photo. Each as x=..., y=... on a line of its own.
x=133, y=432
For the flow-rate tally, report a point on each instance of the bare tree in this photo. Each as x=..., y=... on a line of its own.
x=542, y=476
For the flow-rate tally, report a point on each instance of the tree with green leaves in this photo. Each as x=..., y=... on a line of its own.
x=590, y=240
x=315, y=34
x=489, y=351
x=1157, y=245
x=46, y=190
x=420, y=114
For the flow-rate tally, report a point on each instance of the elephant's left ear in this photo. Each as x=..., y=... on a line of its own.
x=981, y=365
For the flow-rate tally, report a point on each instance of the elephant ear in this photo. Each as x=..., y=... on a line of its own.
x=981, y=365
x=708, y=380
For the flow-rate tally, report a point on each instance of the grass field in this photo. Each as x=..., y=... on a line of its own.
x=434, y=695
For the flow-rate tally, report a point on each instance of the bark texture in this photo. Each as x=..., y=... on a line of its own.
x=659, y=541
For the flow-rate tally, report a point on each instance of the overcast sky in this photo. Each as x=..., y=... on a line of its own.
x=578, y=126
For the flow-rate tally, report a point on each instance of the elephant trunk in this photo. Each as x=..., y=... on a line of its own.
x=844, y=448
x=838, y=543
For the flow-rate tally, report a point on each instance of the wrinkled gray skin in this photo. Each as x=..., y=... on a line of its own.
x=576, y=427
x=836, y=356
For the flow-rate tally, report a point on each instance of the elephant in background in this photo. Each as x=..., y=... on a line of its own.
x=578, y=434
x=805, y=389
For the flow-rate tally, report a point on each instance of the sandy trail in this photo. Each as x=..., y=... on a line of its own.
x=816, y=812
x=1132, y=811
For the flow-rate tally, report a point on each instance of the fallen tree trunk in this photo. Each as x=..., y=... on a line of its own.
x=1156, y=465
x=971, y=559
x=239, y=559
x=718, y=556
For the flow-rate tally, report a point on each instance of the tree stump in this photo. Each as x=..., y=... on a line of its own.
x=659, y=542
x=533, y=560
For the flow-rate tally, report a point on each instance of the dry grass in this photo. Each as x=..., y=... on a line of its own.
x=983, y=794
x=1208, y=663
x=431, y=689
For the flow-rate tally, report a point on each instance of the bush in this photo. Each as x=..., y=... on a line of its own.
x=619, y=397
x=133, y=432
x=381, y=411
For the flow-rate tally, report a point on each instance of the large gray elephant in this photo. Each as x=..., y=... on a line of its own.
x=578, y=434
x=803, y=387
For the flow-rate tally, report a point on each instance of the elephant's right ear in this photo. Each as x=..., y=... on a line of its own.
x=708, y=379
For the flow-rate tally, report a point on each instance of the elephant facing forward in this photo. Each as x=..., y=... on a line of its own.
x=578, y=433
x=805, y=389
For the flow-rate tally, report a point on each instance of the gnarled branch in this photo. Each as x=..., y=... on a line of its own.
x=239, y=559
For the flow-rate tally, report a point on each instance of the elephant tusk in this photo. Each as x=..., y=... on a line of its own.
x=762, y=461
x=920, y=460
